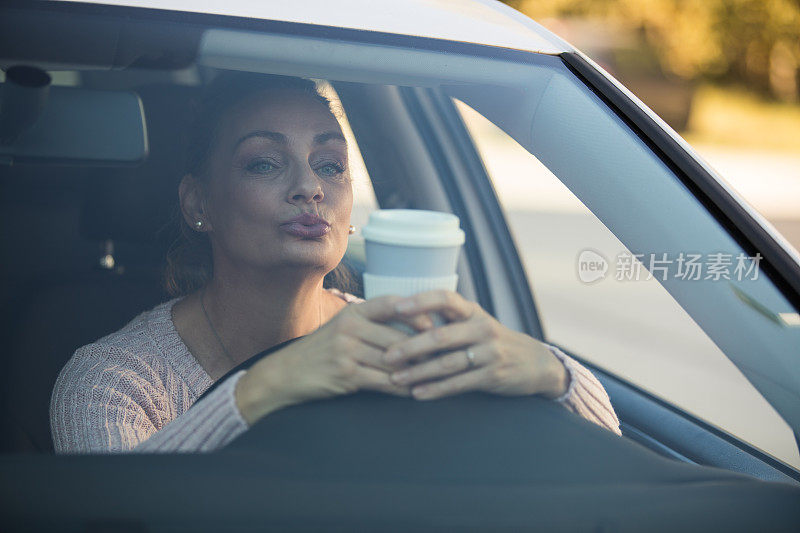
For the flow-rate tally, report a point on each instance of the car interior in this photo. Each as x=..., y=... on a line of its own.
x=83, y=245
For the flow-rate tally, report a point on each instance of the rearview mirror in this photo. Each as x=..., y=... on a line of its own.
x=67, y=125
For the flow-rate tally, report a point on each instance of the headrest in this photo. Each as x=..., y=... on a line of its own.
x=132, y=204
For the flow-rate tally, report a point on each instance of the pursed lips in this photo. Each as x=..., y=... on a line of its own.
x=306, y=225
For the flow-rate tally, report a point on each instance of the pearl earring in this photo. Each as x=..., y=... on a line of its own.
x=352, y=229
x=198, y=224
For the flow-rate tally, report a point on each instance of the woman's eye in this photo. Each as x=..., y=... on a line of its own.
x=261, y=166
x=330, y=169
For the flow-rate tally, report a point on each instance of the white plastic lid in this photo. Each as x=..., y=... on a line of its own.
x=413, y=227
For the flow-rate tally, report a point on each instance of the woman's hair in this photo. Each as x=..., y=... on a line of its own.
x=189, y=264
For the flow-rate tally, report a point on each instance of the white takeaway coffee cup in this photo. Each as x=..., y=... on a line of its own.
x=410, y=251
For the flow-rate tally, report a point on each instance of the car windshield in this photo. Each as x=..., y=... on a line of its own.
x=94, y=218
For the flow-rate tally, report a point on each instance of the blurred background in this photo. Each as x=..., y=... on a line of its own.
x=724, y=73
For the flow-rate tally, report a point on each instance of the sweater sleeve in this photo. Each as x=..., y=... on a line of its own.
x=107, y=400
x=585, y=395
x=208, y=425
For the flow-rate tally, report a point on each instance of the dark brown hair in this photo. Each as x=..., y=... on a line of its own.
x=189, y=264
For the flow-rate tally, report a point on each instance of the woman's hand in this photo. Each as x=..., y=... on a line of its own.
x=345, y=355
x=479, y=353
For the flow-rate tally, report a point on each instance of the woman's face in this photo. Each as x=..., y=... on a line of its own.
x=277, y=155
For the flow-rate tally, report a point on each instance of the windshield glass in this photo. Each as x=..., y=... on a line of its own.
x=115, y=211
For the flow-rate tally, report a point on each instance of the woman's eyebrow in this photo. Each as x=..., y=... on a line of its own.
x=273, y=135
x=320, y=138
x=327, y=136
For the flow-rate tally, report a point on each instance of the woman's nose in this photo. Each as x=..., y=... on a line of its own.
x=306, y=187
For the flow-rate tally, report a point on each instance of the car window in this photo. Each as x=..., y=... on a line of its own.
x=595, y=298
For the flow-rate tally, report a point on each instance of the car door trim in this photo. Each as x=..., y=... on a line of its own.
x=491, y=209
x=444, y=170
x=653, y=422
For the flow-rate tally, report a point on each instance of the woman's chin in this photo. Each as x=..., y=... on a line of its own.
x=310, y=255
x=298, y=255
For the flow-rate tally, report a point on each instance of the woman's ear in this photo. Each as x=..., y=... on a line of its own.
x=192, y=200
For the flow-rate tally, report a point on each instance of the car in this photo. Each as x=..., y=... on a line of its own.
x=560, y=178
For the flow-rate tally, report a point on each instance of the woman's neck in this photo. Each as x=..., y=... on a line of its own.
x=252, y=316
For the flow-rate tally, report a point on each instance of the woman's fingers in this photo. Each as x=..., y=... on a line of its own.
x=377, y=380
x=439, y=367
x=460, y=383
x=373, y=330
x=447, y=337
x=473, y=352
x=450, y=304
x=369, y=341
x=370, y=356
x=382, y=310
x=421, y=322
x=378, y=335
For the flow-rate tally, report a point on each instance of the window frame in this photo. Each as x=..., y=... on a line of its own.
x=777, y=263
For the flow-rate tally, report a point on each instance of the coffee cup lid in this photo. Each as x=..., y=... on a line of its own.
x=413, y=227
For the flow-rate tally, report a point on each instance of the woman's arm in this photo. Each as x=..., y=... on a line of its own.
x=107, y=400
x=208, y=425
x=585, y=395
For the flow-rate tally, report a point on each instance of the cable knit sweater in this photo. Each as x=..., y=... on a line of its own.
x=132, y=391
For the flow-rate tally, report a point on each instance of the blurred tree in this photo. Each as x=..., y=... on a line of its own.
x=755, y=42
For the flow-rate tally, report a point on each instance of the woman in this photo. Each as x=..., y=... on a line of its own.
x=249, y=275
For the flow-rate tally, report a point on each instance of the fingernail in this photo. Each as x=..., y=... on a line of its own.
x=419, y=392
x=404, y=305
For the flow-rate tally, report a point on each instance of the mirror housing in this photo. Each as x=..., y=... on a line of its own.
x=43, y=124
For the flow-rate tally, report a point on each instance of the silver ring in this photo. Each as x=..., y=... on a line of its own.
x=470, y=359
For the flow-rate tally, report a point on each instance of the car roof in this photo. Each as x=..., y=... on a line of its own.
x=486, y=22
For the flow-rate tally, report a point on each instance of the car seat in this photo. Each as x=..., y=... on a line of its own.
x=104, y=249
